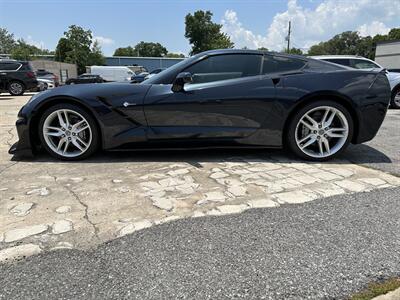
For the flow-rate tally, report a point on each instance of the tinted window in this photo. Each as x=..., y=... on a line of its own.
x=279, y=64
x=9, y=66
x=222, y=67
x=340, y=61
x=363, y=64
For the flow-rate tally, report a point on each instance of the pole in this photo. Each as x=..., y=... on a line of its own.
x=288, y=37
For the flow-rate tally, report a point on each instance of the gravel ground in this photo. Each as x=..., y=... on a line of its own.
x=325, y=249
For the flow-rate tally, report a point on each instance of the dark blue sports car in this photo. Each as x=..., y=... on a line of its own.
x=220, y=98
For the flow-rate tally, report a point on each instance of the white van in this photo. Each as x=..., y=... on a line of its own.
x=109, y=73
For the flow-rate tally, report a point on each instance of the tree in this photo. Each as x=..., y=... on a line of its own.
x=24, y=51
x=96, y=55
x=79, y=41
x=293, y=50
x=175, y=55
x=7, y=41
x=149, y=49
x=203, y=34
x=124, y=51
x=63, y=47
x=263, y=49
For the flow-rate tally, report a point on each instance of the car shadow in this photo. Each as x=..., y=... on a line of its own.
x=2, y=98
x=359, y=154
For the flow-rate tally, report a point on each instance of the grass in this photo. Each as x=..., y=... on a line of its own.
x=377, y=288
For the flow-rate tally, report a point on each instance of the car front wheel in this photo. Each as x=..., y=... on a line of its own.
x=320, y=131
x=395, y=101
x=68, y=132
x=16, y=88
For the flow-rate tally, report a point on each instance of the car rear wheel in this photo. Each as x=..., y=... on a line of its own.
x=395, y=101
x=68, y=132
x=320, y=131
x=16, y=88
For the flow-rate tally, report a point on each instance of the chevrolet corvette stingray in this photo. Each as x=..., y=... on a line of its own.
x=218, y=98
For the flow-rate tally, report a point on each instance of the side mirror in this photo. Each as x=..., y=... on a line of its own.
x=180, y=81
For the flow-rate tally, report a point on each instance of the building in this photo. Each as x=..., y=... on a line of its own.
x=62, y=70
x=150, y=63
x=387, y=54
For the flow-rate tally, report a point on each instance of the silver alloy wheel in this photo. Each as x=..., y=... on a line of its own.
x=67, y=133
x=396, y=99
x=322, y=131
x=16, y=88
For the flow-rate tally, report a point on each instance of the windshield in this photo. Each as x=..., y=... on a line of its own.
x=169, y=74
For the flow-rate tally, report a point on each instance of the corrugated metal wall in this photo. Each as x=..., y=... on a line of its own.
x=388, y=54
x=150, y=63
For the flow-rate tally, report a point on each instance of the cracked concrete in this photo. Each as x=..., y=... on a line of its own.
x=112, y=194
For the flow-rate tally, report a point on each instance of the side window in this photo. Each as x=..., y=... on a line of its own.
x=9, y=66
x=280, y=64
x=363, y=64
x=340, y=61
x=222, y=67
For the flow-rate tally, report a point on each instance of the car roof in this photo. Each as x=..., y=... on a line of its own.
x=338, y=56
x=250, y=51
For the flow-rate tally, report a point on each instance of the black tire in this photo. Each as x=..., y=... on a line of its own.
x=290, y=140
x=16, y=88
x=395, y=104
x=91, y=122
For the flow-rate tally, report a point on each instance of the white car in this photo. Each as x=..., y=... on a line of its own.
x=359, y=62
x=45, y=84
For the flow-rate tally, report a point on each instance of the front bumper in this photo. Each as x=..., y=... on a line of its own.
x=23, y=147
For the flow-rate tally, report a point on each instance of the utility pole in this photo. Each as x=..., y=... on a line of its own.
x=288, y=37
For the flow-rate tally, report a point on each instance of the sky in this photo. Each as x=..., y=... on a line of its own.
x=250, y=23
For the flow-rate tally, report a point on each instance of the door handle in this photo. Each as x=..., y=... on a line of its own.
x=276, y=80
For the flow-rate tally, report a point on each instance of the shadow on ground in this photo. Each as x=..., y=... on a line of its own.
x=356, y=153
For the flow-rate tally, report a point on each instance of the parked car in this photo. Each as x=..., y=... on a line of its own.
x=85, y=78
x=145, y=75
x=218, y=98
x=45, y=84
x=359, y=62
x=138, y=78
x=17, y=77
x=110, y=73
x=41, y=73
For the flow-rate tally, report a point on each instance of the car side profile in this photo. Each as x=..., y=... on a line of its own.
x=17, y=77
x=85, y=78
x=359, y=62
x=218, y=98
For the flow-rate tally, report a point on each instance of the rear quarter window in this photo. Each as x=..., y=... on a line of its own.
x=280, y=64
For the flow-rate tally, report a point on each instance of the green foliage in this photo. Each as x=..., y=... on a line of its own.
x=124, y=51
x=7, y=42
x=63, y=47
x=149, y=49
x=24, y=51
x=263, y=49
x=203, y=34
x=77, y=47
x=351, y=43
x=377, y=289
x=79, y=40
x=293, y=50
x=175, y=55
x=96, y=57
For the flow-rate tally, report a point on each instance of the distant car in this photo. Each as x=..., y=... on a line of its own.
x=17, y=77
x=143, y=76
x=45, y=84
x=394, y=70
x=112, y=73
x=138, y=78
x=359, y=62
x=85, y=78
x=41, y=73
